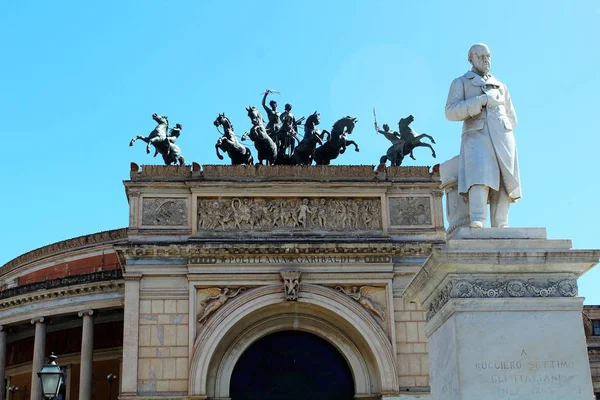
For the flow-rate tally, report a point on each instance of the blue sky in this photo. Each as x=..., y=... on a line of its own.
x=93, y=73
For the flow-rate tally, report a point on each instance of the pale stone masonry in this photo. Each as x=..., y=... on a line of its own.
x=211, y=246
x=411, y=345
x=163, y=346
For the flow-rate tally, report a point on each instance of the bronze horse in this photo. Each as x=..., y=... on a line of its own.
x=237, y=152
x=337, y=141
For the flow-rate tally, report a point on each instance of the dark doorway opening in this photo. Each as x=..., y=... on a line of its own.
x=291, y=365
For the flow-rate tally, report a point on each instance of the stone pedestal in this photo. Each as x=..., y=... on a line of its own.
x=503, y=317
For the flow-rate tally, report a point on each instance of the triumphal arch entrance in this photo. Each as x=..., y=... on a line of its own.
x=249, y=282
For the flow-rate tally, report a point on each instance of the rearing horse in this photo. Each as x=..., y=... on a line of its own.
x=337, y=142
x=412, y=139
x=237, y=152
x=163, y=142
x=303, y=153
x=265, y=146
x=158, y=135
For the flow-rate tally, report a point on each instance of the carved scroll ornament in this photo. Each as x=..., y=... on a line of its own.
x=483, y=288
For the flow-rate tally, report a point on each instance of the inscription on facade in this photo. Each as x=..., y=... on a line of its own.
x=292, y=259
x=164, y=212
x=268, y=214
x=515, y=378
x=410, y=211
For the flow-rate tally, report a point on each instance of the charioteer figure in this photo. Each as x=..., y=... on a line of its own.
x=272, y=114
x=286, y=136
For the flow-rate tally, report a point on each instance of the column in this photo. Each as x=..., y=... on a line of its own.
x=39, y=351
x=87, y=347
x=131, y=335
x=2, y=361
x=503, y=316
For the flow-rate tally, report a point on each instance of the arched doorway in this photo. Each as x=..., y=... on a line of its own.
x=290, y=365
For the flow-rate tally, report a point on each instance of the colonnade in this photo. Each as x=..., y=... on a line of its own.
x=39, y=352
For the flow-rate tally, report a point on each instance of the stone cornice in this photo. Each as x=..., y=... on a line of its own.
x=280, y=172
x=71, y=291
x=64, y=284
x=140, y=250
x=63, y=246
x=511, y=261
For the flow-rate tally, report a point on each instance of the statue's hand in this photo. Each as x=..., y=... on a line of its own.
x=147, y=150
x=357, y=149
x=220, y=156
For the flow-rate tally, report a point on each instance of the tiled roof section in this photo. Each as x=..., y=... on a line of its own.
x=79, y=242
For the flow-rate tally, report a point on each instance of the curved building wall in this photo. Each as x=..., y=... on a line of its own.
x=57, y=287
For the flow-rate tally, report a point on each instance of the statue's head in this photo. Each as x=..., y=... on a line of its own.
x=288, y=107
x=404, y=122
x=160, y=119
x=386, y=127
x=349, y=122
x=314, y=118
x=480, y=58
x=221, y=118
x=254, y=115
x=176, y=132
x=273, y=105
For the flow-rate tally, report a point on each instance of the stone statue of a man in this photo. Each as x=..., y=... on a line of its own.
x=488, y=166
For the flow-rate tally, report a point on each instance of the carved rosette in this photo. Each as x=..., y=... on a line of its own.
x=482, y=288
x=410, y=211
x=164, y=212
x=298, y=214
x=291, y=284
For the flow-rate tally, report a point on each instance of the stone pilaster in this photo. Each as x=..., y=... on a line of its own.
x=131, y=335
x=2, y=362
x=39, y=352
x=87, y=350
x=503, y=319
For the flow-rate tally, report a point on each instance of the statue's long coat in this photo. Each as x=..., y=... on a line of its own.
x=488, y=150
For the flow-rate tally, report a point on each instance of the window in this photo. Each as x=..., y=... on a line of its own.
x=596, y=327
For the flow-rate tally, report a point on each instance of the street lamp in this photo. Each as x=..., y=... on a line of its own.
x=110, y=378
x=12, y=390
x=51, y=377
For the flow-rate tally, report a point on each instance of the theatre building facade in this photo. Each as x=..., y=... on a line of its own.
x=236, y=283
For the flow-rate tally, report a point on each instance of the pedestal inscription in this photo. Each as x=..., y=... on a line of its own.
x=522, y=355
x=267, y=214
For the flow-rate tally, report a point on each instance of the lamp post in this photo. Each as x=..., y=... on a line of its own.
x=110, y=378
x=12, y=390
x=51, y=378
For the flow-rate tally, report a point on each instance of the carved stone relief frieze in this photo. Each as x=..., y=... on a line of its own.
x=211, y=299
x=410, y=211
x=268, y=214
x=483, y=288
x=291, y=284
x=162, y=211
x=364, y=295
